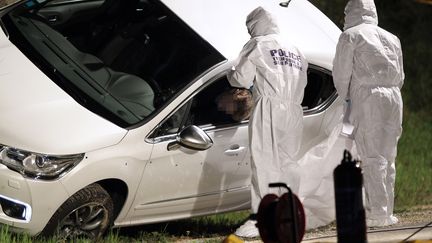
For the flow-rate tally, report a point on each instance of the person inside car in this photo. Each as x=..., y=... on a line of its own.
x=236, y=103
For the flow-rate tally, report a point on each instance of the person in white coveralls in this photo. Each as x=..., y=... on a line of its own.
x=368, y=71
x=277, y=72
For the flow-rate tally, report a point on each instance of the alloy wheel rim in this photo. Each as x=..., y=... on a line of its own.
x=88, y=220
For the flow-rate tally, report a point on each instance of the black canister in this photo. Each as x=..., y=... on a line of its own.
x=350, y=213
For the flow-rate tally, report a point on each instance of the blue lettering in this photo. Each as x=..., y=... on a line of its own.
x=281, y=52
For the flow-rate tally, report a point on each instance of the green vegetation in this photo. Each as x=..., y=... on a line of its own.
x=414, y=162
x=203, y=228
x=207, y=229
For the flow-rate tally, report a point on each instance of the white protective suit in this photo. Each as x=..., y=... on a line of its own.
x=278, y=76
x=368, y=70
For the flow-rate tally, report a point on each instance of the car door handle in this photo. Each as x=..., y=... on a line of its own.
x=53, y=18
x=234, y=150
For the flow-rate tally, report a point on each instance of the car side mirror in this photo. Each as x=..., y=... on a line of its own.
x=191, y=137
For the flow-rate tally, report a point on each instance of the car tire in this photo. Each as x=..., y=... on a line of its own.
x=86, y=214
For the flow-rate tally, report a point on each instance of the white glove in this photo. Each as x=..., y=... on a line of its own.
x=348, y=128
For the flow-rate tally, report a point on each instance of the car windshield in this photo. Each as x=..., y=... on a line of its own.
x=123, y=60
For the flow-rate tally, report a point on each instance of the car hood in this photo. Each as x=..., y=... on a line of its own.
x=38, y=116
x=223, y=24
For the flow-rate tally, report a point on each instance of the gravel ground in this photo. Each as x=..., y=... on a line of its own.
x=413, y=217
x=416, y=216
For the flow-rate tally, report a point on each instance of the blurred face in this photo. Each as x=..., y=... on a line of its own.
x=226, y=104
x=235, y=102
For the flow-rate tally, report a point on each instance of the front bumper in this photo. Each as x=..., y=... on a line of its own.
x=26, y=205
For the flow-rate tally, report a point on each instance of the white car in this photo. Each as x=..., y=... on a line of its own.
x=108, y=114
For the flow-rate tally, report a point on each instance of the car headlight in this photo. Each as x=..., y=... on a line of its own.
x=35, y=165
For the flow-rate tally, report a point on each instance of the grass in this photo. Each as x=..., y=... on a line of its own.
x=203, y=228
x=206, y=229
x=414, y=162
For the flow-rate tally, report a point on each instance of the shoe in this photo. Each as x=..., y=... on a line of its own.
x=382, y=222
x=393, y=219
x=248, y=230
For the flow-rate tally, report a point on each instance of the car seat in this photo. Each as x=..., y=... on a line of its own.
x=132, y=91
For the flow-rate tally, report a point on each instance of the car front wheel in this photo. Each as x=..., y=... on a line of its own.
x=86, y=214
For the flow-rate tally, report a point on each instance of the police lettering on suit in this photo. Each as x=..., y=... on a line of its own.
x=282, y=57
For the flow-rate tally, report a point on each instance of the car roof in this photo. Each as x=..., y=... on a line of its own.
x=222, y=24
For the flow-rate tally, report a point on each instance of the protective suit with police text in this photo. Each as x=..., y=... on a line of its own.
x=368, y=70
x=277, y=72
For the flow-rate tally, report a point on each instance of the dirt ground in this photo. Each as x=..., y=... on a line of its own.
x=413, y=217
x=418, y=216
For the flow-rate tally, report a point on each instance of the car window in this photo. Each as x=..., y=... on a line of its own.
x=203, y=110
x=173, y=124
x=207, y=108
x=124, y=60
x=319, y=89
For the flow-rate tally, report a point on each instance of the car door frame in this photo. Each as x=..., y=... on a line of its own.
x=226, y=199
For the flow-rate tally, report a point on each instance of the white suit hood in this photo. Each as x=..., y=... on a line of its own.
x=360, y=12
x=260, y=22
